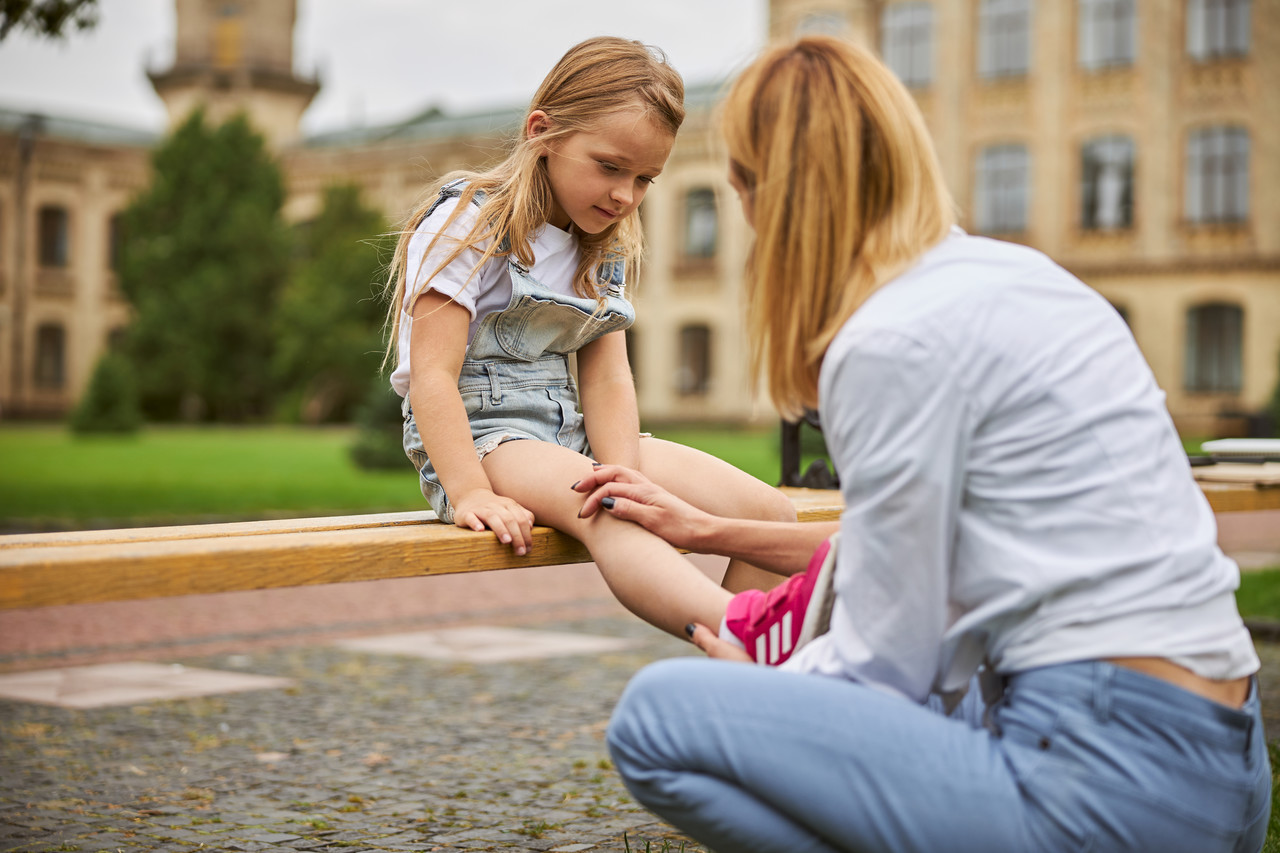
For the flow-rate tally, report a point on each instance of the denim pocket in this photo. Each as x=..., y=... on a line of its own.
x=534, y=327
x=572, y=432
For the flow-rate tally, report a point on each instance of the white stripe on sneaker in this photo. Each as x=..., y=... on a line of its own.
x=786, y=632
x=760, y=649
x=774, y=654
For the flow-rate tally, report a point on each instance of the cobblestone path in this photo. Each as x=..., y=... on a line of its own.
x=365, y=752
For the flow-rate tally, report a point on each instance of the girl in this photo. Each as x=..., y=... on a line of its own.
x=1015, y=495
x=499, y=278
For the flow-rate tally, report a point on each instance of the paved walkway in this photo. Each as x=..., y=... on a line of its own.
x=364, y=752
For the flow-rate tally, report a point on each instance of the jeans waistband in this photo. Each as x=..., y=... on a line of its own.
x=551, y=370
x=1103, y=687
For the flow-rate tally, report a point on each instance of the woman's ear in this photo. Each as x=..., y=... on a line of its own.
x=536, y=124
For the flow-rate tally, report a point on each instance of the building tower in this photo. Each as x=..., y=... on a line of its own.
x=236, y=56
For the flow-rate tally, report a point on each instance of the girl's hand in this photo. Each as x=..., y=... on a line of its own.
x=706, y=639
x=511, y=522
x=627, y=494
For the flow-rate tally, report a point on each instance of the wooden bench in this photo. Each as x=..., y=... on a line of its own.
x=44, y=569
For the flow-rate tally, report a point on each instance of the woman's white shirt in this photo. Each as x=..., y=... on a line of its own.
x=481, y=291
x=1015, y=490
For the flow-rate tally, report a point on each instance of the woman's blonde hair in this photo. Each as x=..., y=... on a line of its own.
x=845, y=191
x=593, y=79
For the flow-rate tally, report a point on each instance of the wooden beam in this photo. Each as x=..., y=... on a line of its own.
x=40, y=570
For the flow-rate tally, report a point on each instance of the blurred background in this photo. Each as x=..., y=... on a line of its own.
x=196, y=198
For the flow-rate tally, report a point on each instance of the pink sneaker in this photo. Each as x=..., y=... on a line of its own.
x=773, y=625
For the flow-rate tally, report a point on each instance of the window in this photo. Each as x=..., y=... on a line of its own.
x=693, y=376
x=1217, y=175
x=1004, y=38
x=1214, y=347
x=54, y=225
x=822, y=24
x=700, y=223
x=1108, y=33
x=1001, y=185
x=1217, y=28
x=1106, y=190
x=906, y=39
x=50, y=366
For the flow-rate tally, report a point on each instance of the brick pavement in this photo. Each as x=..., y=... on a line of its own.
x=365, y=752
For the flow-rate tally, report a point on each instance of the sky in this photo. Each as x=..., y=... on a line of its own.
x=378, y=60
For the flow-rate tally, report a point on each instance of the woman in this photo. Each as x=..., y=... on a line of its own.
x=1016, y=502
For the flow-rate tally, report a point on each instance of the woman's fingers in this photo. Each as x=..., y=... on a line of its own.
x=602, y=474
x=707, y=640
x=635, y=492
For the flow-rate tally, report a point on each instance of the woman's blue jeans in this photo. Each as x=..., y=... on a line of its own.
x=1078, y=757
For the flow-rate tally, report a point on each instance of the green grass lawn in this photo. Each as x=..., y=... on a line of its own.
x=51, y=479
x=1259, y=595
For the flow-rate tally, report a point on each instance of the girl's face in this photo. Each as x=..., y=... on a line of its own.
x=599, y=176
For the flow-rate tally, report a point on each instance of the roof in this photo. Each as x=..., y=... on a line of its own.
x=435, y=123
x=74, y=129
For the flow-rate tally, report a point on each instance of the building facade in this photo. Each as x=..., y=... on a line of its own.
x=1136, y=142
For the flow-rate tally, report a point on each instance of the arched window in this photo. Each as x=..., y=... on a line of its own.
x=701, y=223
x=51, y=356
x=54, y=225
x=1214, y=347
x=1107, y=33
x=906, y=41
x=1217, y=29
x=1004, y=38
x=1003, y=173
x=1217, y=175
x=1106, y=183
x=693, y=376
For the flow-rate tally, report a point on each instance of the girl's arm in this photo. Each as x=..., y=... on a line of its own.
x=436, y=351
x=609, y=400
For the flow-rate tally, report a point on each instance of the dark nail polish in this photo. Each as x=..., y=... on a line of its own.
x=574, y=486
x=607, y=503
x=690, y=628
x=596, y=465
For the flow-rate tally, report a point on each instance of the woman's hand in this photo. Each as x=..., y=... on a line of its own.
x=627, y=494
x=511, y=522
x=706, y=639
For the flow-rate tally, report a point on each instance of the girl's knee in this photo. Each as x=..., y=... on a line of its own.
x=773, y=505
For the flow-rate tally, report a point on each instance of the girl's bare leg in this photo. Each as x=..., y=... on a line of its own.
x=646, y=574
x=717, y=487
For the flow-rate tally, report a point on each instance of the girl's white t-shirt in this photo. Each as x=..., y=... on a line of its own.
x=481, y=291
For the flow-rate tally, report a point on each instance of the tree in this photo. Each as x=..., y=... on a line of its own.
x=47, y=18
x=203, y=260
x=110, y=403
x=328, y=325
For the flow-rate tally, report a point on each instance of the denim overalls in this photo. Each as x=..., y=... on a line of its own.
x=515, y=380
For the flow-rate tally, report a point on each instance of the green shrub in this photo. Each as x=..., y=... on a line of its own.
x=379, y=443
x=110, y=403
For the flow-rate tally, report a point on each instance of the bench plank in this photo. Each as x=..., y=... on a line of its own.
x=44, y=569
x=93, y=566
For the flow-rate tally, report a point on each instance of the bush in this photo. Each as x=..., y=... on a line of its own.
x=110, y=403
x=379, y=443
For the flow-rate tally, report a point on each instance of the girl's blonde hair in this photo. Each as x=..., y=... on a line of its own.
x=593, y=79
x=845, y=191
